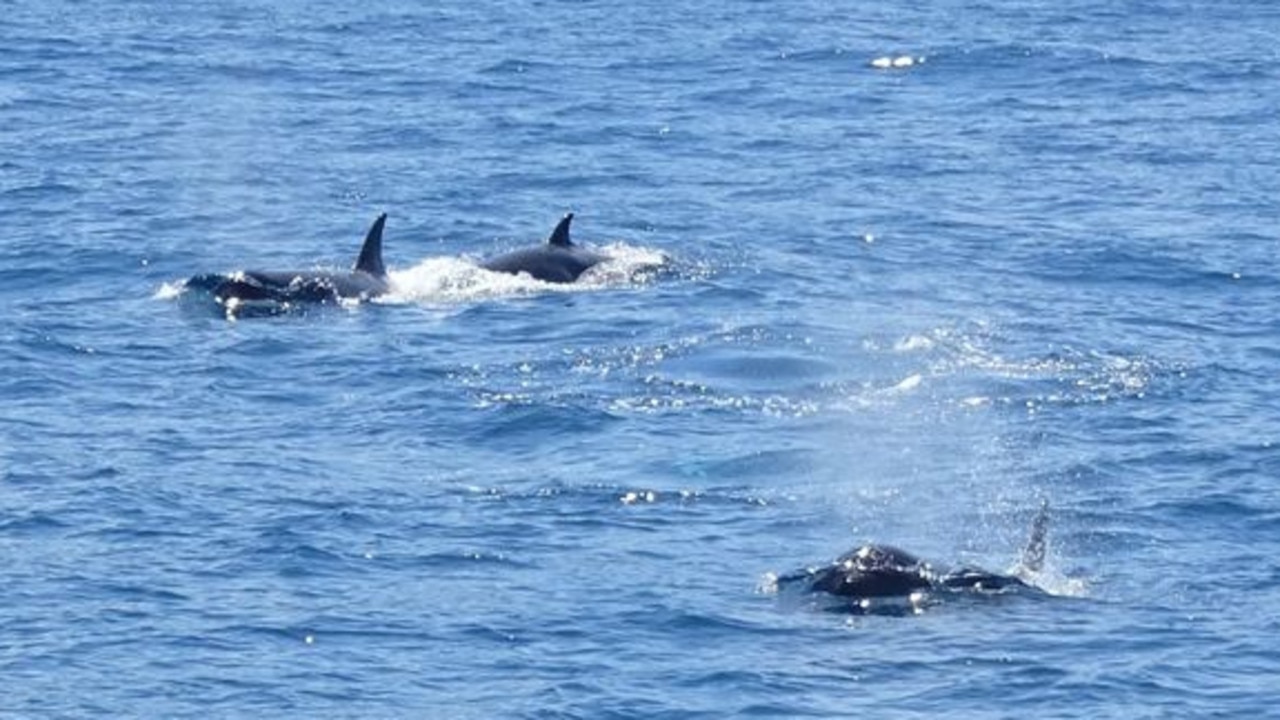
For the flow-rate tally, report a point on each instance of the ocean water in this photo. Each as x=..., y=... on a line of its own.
x=922, y=267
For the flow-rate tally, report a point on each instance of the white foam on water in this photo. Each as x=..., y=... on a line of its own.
x=1053, y=581
x=896, y=62
x=170, y=290
x=454, y=280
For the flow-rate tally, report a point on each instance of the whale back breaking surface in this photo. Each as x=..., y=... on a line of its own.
x=274, y=291
x=877, y=571
x=866, y=572
x=556, y=261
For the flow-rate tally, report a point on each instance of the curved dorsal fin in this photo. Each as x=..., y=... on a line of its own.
x=1033, y=554
x=560, y=236
x=370, y=260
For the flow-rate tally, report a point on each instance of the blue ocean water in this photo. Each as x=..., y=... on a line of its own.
x=926, y=265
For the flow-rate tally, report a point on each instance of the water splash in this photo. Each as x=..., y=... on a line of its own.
x=170, y=290
x=455, y=280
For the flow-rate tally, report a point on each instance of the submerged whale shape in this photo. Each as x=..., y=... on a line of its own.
x=367, y=279
x=876, y=571
x=557, y=261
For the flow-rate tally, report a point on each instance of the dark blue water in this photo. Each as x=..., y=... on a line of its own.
x=926, y=265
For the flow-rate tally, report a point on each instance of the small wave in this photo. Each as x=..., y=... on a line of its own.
x=909, y=383
x=667, y=395
x=516, y=66
x=594, y=496
x=41, y=190
x=896, y=62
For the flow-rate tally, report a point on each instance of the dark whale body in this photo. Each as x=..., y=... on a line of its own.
x=556, y=261
x=367, y=279
x=876, y=571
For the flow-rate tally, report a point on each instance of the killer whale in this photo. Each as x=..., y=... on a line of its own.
x=876, y=572
x=556, y=261
x=366, y=279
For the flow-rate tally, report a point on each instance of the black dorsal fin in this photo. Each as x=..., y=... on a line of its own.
x=560, y=236
x=371, y=254
x=1033, y=553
